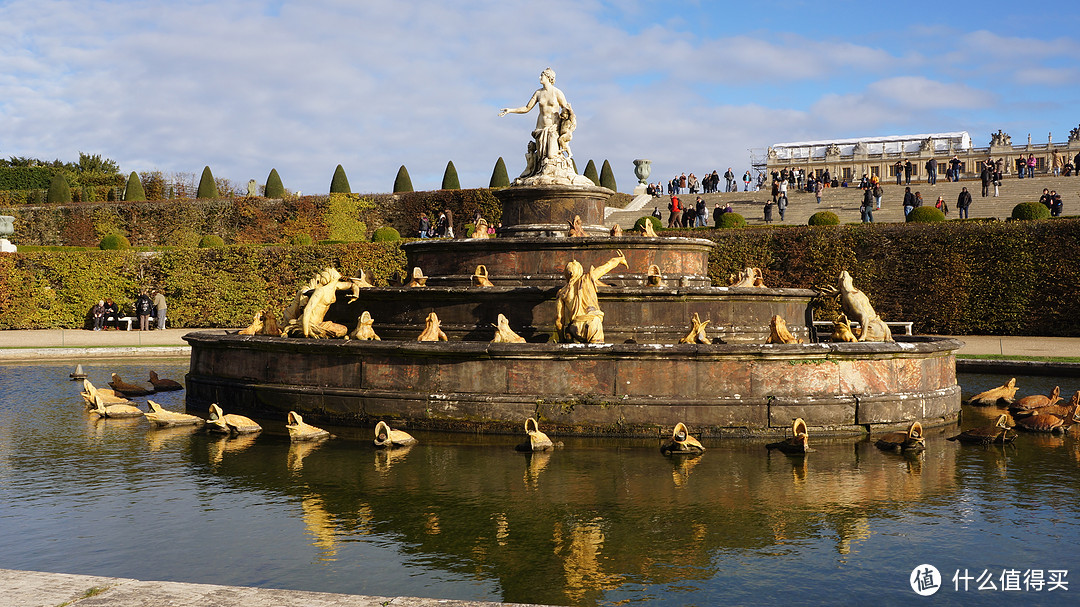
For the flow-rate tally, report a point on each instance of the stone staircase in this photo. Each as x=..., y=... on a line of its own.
x=845, y=202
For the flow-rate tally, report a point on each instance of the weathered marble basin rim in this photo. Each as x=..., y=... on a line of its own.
x=641, y=314
x=542, y=259
x=604, y=389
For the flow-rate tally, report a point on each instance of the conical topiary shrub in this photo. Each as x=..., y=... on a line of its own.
x=402, y=183
x=207, y=187
x=274, y=187
x=499, y=178
x=340, y=183
x=607, y=177
x=450, y=178
x=134, y=190
x=59, y=190
x=590, y=172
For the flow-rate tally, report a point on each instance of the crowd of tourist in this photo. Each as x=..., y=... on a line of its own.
x=709, y=184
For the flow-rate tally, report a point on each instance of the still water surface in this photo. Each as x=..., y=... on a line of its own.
x=465, y=517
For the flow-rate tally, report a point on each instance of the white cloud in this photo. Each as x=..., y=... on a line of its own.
x=244, y=86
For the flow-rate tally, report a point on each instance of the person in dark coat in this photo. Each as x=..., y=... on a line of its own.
x=768, y=211
x=112, y=314
x=909, y=201
x=143, y=307
x=867, y=208
x=98, y=314
x=425, y=226
x=963, y=201
x=907, y=172
x=985, y=176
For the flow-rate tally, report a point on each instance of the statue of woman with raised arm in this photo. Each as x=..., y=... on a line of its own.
x=548, y=158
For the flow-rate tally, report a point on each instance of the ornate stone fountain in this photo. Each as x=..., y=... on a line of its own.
x=640, y=381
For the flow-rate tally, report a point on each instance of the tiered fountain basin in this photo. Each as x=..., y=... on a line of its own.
x=622, y=389
x=639, y=382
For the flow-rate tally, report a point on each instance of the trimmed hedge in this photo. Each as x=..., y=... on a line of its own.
x=925, y=215
x=114, y=242
x=657, y=225
x=339, y=183
x=274, y=188
x=590, y=172
x=450, y=179
x=954, y=278
x=207, y=187
x=215, y=287
x=730, y=220
x=823, y=218
x=385, y=234
x=402, y=182
x=59, y=190
x=1030, y=210
x=257, y=220
x=607, y=177
x=134, y=191
x=26, y=178
x=499, y=177
x=211, y=240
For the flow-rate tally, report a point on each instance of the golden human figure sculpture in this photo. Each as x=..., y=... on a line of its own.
x=577, y=311
x=320, y=300
x=548, y=158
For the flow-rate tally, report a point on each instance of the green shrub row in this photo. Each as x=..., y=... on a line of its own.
x=980, y=278
x=181, y=222
x=1007, y=278
x=213, y=287
x=30, y=185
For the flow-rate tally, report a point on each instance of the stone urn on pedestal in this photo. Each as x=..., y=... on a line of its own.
x=642, y=169
x=7, y=228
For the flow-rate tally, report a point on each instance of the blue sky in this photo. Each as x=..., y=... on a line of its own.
x=246, y=85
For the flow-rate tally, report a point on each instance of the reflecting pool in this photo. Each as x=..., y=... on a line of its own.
x=601, y=521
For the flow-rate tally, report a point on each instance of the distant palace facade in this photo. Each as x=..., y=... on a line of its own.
x=849, y=159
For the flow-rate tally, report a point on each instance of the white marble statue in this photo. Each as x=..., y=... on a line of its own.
x=548, y=157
